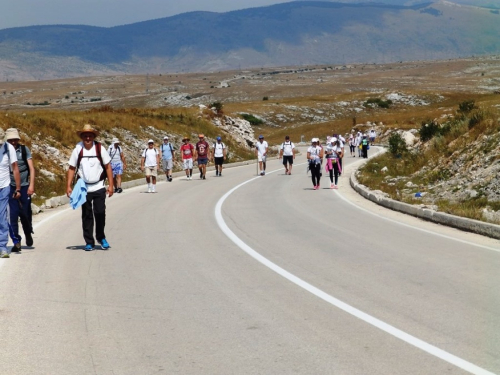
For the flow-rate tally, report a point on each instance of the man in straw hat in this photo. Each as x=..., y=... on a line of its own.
x=21, y=208
x=92, y=164
x=118, y=163
x=187, y=152
x=8, y=161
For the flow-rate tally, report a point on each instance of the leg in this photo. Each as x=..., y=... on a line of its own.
x=99, y=200
x=14, y=213
x=25, y=214
x=88, y=220
x=4, y=220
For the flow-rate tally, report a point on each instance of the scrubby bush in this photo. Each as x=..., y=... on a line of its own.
x=251, y=119
x=379, y=102
x=429, y=129
x=218, y=107
x=265, y=98
x=475, y=119
x=466, y=106
x=397, y=145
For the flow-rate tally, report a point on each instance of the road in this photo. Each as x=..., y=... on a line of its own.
x=251, y=275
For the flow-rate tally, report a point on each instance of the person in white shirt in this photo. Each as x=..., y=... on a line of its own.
x=372, y=136
x=261, y=152
x=118, y=163
x=352, y=145
x=219, y=155
x=150, y=159
x=334, y=154
x=91, y=162
x=8, y=160
x=287, y=152
x=314, y=157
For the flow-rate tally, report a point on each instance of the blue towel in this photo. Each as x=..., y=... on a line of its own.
x=79, y=194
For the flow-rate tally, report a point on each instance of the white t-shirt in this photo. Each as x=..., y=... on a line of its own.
x=150, y=155
x=261, y=147
x=287, y=148
x=115, y=153
x=90, y=169
x=218, y=149
x=315, y=151
x=331, y=151
x=4, y=164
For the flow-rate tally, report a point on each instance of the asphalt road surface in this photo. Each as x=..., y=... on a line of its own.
x=251, y=275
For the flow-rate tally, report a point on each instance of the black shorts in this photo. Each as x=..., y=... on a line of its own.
x=287, y=160
x=219, y=161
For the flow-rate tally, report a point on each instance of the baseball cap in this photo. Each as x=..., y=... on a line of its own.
x=219, y=138
x=151, y=141
x=201, y=136
x=261, y=136
x=165, y=137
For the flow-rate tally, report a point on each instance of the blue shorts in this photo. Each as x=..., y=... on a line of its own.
x=202, y=161
x=117, y=168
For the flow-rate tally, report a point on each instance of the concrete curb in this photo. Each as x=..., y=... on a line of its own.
x=469, y=225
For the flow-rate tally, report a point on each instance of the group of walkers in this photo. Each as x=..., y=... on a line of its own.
x=361, y=143
x=17, y=185
x=90, y=165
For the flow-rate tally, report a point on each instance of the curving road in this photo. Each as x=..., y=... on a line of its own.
x=251, y=275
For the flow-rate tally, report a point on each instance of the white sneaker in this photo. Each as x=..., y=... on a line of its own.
x=150, y=190
x=4, y=254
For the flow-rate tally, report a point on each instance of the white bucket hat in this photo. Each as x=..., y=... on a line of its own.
x=12, y=133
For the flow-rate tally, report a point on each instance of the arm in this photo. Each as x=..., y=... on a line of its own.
x=293, y=151
x=158, y=159
x=17, y=179
x=109, y=173
x=31, y=188
x=224, y=153
x=69, y=179
x=142, y=163
x=123, y=161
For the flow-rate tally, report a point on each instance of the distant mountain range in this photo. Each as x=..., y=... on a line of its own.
x=295, y=33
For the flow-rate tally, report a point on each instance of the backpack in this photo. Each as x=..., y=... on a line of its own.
x=146, y=149
x=287, y=145
x=118, y=149
x=170, y=145
x=223, y=147
x=97, y=155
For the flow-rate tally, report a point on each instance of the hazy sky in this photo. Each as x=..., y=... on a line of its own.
x=106, y=13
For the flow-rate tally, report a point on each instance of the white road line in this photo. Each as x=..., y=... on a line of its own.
x=412, y=340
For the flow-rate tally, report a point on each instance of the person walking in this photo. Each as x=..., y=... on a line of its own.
x=219, y=155
x=359, y=138
x=261, y=152
x=314, y=157
x=373, y=135
x=167, y=156
x=150, y=159
x=187, y=152
x=91, y=162
x=202, y=155
x=352, y=145
x=8, y=161
x=334, y=153
x=364, y=146
x=287, y=152
x=118, y=163
x=21, y=208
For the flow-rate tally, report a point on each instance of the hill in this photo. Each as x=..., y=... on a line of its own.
x=295, y=33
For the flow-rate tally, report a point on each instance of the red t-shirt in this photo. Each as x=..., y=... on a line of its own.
x=202, y=149
x=187, y=151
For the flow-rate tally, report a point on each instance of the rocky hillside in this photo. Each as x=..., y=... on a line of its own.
x=451, y=164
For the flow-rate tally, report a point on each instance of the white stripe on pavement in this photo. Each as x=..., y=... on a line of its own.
x=431, y=349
